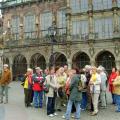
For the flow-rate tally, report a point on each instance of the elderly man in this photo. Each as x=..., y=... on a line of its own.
x=4, y=82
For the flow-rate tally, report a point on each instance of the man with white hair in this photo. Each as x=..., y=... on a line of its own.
x=4, y=82
x=103, y=86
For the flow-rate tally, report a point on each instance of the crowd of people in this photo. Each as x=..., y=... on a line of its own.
x=76, y=89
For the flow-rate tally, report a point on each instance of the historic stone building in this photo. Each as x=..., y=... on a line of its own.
x=87, y=32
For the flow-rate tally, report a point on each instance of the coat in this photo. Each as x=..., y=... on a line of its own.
x=75, y=94
x=6, y=77
x=116, y=85
x=51, y=80
x=111, y=79
x=96, y=87
x=37, y=82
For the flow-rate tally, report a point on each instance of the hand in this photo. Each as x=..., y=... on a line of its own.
x=91, y=83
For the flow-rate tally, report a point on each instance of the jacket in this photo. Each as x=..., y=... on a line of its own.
x=116, y=85
x=37, y=82
x=75, y=94
x=95, y=88
x=51, y=80
x=6, y=77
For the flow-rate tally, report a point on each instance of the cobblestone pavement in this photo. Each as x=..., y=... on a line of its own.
x=15, y=109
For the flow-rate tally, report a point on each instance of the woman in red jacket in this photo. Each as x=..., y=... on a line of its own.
x=112, y=77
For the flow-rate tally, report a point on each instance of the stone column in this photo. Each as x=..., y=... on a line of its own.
x=68, y=20
x=69, y=63
x=37, y=26
x=90, y=5
x=117, y=62
x=92, y=62
x=21, y=33
x=10, y=66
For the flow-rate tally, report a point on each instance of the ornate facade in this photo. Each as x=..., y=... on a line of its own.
x=88, y=32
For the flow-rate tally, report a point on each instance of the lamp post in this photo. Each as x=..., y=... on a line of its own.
x=52, y=30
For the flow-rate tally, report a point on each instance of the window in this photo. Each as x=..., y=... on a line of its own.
x=118, y=3
x=102, y=4
x=45, y=22
x=104, y=28
x=78, y=6
x=80, y=30
x=62, y=22
x=29, y=29
x=15, y=22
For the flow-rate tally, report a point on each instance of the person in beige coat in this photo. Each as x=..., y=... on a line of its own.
x=51, y=95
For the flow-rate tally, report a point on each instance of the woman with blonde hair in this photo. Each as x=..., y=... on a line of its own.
x=95, y=83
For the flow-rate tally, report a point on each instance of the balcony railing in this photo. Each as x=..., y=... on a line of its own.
x=35, y=38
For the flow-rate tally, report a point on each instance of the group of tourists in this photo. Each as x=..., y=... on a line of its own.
x=76, y=89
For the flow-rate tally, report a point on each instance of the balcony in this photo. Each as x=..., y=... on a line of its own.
x=35, y=39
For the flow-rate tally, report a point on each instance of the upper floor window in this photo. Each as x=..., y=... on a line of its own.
x=104, y=28
x=102, y=4
x=80, y=29
x=61, y=22
x=78, y=6
x=118, y=3
x=15, y=22
x=29, y=26
x=45, y=22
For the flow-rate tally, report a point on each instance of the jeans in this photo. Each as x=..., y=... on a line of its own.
x=84, y=100
x=113, y=98
x=118, y=102
x=69, y=107
x=38, y=99
x=4, y=88
x=50, y=105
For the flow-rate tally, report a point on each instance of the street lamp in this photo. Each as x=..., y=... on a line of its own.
x=52, y=31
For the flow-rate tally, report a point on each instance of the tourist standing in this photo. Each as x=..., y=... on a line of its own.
x=28, y=87
x=116, y=90
x=111, y=80
x=4, y=82
x=95, y=83
x=38, y=88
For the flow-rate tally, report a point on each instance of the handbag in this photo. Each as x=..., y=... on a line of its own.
x=60, y=92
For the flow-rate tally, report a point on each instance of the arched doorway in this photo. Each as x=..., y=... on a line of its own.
x=58, y=59
x=106, y=59
x=80, y=59
x=38, y=60
x=19, y=66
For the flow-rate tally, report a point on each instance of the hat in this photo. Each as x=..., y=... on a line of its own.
x=5, y=65
x=38, y=68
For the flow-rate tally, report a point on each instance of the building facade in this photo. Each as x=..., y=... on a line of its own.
x=88, y=32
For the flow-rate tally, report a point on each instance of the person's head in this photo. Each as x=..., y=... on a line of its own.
x=94, y=70
x=113, y=69
x=71, y=72
x=29, y=71
x=65, y=67
x=82, y=71
x=51, y=70
x=87, y=68
x=46, y=71
x=38, y=70
x=118, y=72
x=57, y=70
x=61, y=70
x=5, y=66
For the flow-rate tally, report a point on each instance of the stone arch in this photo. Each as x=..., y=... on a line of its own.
x=80, y=59
x=106, y=59
x=58, y=59
x=6, y=60
x=19, y=65
x=38, y=60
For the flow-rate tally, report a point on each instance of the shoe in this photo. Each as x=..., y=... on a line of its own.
x=63, y=117
x=59, y=110
x=103, y=107
x=94, y=113
x=73, y=116
x=51, y=115
x=1, y=102
x=6, y=102
x=55, y=114
x=117, y=111
x=82, y=109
